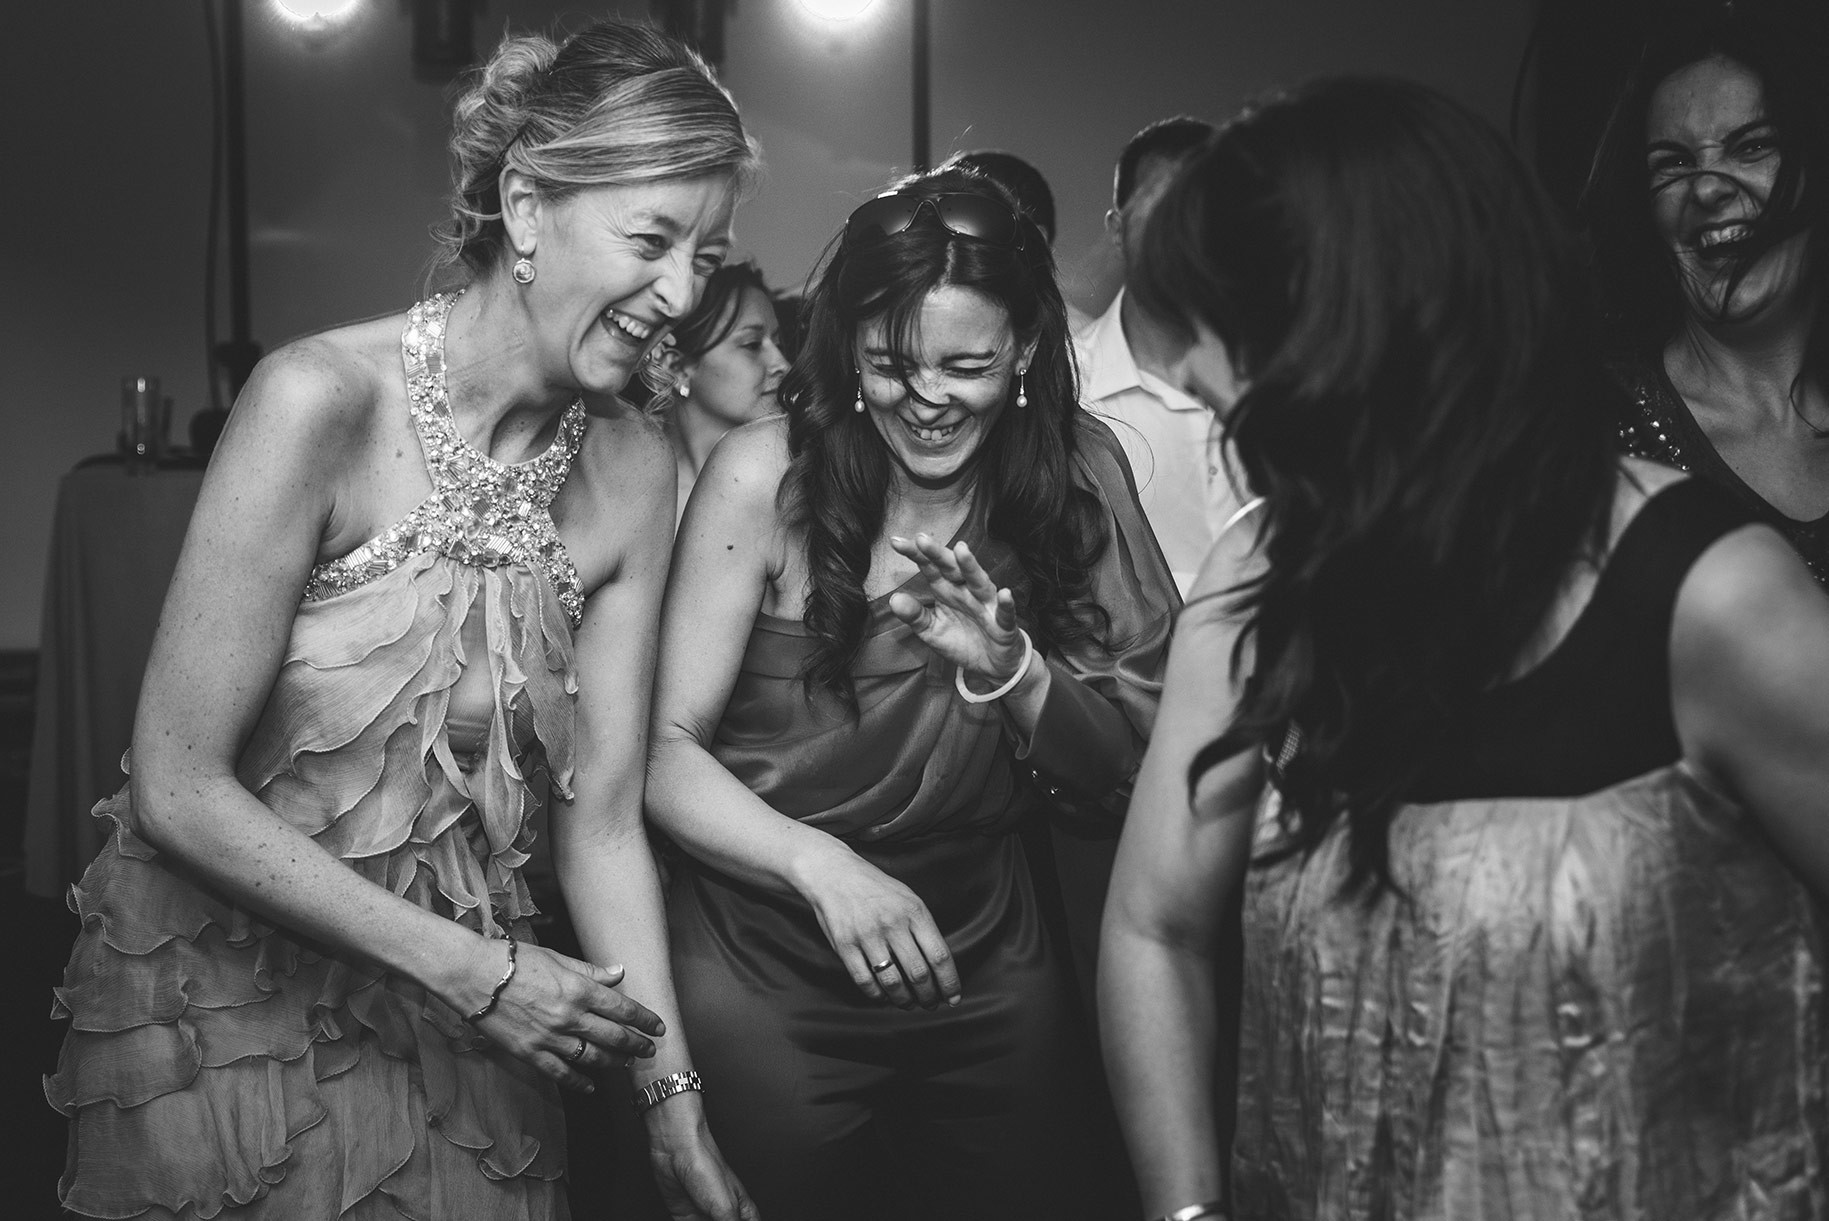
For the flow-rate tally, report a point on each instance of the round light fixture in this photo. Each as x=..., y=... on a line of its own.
x=317, y=11
x=837, y=10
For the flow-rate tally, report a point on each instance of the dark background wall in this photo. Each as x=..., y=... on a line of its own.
x=107, y=156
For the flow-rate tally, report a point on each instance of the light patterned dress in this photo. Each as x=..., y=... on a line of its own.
x=1594, y=991
x=216, y=1064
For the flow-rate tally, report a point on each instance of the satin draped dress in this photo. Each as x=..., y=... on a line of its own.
x=833, y=1105
x=1596, y=993
x=218, y=1065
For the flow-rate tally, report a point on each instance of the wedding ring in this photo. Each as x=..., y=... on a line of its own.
x=877, y=968
x=577, y=1052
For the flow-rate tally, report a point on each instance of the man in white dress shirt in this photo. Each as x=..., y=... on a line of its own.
x=1172, y=441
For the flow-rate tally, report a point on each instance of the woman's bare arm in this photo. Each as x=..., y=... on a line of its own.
x=600, y=846
x=1178, y=864
x=1750, y=689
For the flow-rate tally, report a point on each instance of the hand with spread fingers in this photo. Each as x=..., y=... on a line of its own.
x=566, y=1017
x=969, y=621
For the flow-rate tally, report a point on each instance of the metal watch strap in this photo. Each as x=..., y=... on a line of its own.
x=663, y=1088
x=1215, y=1209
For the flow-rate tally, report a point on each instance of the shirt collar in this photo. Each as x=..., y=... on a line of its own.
x=1105, y=357
x=1110, y=369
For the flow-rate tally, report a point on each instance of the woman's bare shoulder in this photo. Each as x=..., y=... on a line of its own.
x=749, y=462
x=322, y=391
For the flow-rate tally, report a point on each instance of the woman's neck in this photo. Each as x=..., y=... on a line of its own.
x=936, y=508
x=1755, y=362
x=505, y=403
x=694, y=432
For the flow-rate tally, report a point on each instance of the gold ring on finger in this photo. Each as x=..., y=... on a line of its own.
x=877, y=968
x=577, y=1052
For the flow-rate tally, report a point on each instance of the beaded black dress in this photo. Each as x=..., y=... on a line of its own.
x=1656, y=424
x=219, y=1065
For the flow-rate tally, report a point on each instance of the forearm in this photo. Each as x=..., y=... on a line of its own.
x=711, y=815
x=255, y=859
x=612, y=891
x=1158, y=1025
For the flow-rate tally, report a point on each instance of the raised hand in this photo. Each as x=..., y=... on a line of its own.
x=969, y=620
x=564, y=1016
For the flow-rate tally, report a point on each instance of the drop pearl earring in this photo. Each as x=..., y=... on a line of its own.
x=1022, y=394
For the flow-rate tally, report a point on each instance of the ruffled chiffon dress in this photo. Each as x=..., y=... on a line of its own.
x=218, y=1065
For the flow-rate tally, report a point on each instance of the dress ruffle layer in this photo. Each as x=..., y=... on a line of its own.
x=213, y=1062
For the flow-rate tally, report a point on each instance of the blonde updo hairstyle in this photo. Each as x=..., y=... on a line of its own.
x=615, y=104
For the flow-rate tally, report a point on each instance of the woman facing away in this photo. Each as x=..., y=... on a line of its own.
x=718, y=368
x=895, y=616
x=1515, y=753
x=305, y=985
x=1708, y=215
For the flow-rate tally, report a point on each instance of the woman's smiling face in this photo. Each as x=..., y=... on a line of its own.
x=1711, y=160
x=961, y=362
x=617, y=264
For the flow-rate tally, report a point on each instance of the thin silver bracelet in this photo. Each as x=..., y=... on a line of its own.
x=489, y=1007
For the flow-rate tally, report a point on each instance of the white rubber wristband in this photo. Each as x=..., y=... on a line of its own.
x=972, y=697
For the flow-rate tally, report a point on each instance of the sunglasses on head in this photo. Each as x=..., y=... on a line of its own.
x=959, y=212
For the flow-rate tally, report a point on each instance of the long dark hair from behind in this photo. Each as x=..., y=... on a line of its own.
x=838, y=479
x=1638, y=275
x=1423, y=416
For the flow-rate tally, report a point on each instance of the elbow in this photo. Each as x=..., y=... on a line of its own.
x=167, y=808
x=668, y=747
x=157, y=813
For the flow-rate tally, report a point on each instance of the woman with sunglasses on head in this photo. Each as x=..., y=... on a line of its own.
x=1509, y=756
x=895, y=617
x=1708, y=214
x=718, y=368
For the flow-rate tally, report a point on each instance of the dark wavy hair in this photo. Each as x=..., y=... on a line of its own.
x=838, y=478
x=708, y=325
x=712, y=320
x=1638, y=276
x=1422, y=416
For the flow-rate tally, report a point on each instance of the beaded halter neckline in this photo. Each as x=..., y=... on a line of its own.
x=481, y=512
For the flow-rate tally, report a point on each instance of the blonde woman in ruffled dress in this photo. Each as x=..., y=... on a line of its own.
x=304, y=985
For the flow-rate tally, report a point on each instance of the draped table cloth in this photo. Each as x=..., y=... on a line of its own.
x=114, y=543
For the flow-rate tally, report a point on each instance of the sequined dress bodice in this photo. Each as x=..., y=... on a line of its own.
x=481, y=512
x=1656, y=424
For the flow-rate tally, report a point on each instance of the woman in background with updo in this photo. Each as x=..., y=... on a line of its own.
x=305, y=985
x=719, y=368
